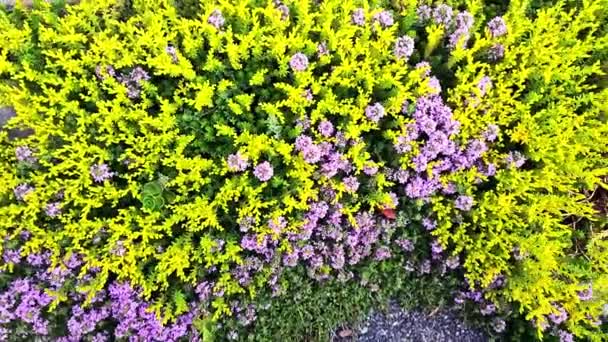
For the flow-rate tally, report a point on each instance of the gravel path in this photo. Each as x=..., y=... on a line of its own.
x=399, y=325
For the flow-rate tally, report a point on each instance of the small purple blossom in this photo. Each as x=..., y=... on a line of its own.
x=484, y=85
x=452, y=262
x=442, y=15
x=382, y=253
x=237, y=162
x=499, y=324
x=172, y=51
x=101, y=172
x=404, y=47
x=405, y=244
x=560, y=317
x=322, y=49
x=425, y=66
x=429, y=224
x=464, y=203
x=358, y=17
x=515, y=159
x=491, y=132
x=434, y=84
x=370, y=170
x=25, y=155
x=53, y=209
x=497, y=27
x=284, y=11
x=565, y=336
x=384, y=18
x=424, y=13
x=496, y=52
x=22, y=190
x=263, y=171
x=375, y=112
x=326, y=128
x=298, y=62
x=586, y=294
x=436, y=248
x=307, y=95
x=351, y=184
x=216, y=19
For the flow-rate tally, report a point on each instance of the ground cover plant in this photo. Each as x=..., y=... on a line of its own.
x=265, y=170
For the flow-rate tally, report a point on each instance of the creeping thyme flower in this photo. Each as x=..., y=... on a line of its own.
x=452, y=262
x=322, y=49
x=172, y=51
x=464, y=20
x=358, y=17
x=375, y=112
x=425, y=66
x=101, y=172
x=384, y=18
x=263, y=171
x=237, y=162
x=351, y=184
x=442, y=15
x=565, y=336
x=283, y=9
x=497, y=27
x=298, y=62
x=560, y=317
x=25, y=155
x=22, y=190
x=216, y=19
x=326, y=128
x=484, y=85
x=464, y=203
x=515, y=159
x=53, y=209
x=586, y=294
x=499, y=324
x=404, y=47
x=491, y=132
x=434, y=84
x=424, y=13
x=496, y=52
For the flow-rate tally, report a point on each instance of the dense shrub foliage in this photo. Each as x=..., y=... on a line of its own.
x=175, y=170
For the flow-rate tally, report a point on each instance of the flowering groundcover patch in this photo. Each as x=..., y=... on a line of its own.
x=187, y=170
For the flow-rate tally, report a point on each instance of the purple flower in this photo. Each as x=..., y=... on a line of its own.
x=464, y=20
x=284, y=11
x=586, y=294
x=22, y=190
x=424, y=13
x=351, y=184
x=216, y=19
x=100, y=172
x=291, y=259
x=370, y=170
x=385, y=18
x=442, y=15
x=565, y=336
x=172, y=51
x=515, y=159
x=322, y=49
x=497, y=27
x=307, y=94
x=53, y=209
x=405, y=244
x=429, y=224
x=375, y=112
x=491, y=132
x=11, y=256
x=263, y=171
x=404, y=47
x=560, y=317
x=436, y=248
x=425, y=267
x=434, y=84
x=25, y=155
x=484, y=85
x=358, y=17
x=464, y=203
x=298, y=62
x=277, y=225
x=237, y=162
x=425, y=66
x=326, y=128
x=458, y=38
x=496, y=52
x=402, y=145
x=382, y=253
x=488, y=309
x=452, y=262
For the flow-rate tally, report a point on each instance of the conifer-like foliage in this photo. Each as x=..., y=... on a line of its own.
x=187, y=160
